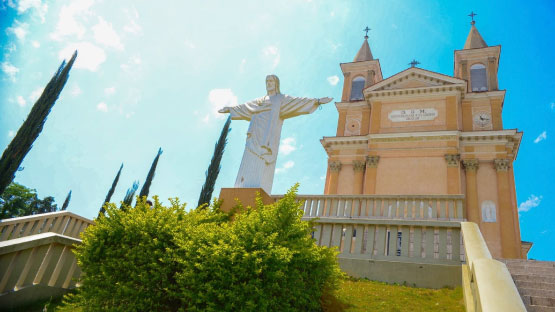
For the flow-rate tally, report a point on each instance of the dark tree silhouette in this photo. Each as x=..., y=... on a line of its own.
x=30, y=129
x=214, y=167
x=111, y=191
x=129, y=195
x=150, y=176
x=66, y=202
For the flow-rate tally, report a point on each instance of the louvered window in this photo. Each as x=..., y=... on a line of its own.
x=478, y=78
x=356, y=89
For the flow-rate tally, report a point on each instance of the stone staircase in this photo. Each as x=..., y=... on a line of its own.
x=535, y=281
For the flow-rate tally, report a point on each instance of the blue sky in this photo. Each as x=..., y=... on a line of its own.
x=151, y=75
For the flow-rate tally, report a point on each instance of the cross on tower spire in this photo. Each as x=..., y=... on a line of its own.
x=366, y=30
x=414, y=63
x=472, y=14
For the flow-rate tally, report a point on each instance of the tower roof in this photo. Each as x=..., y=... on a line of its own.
x=364, y=54
x=474, y=39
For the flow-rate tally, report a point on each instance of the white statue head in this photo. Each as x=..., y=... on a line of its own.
x=272, y=84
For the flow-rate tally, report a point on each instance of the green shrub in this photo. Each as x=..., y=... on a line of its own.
x=168, y=259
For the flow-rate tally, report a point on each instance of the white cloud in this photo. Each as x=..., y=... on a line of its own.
x=333, y=80
x=19, y=29
x=75, y=90
x=287, y=146
x=39, y=7
x=242, y=65
x=68, y=24
x=21, y=101
x=189, y=44
x=90, y=56
x=132, y=26
x=35, y=44
x=34, y=96
x=132, y=65
x=102, y=107
x=109, y=91
x=322, y=177
x=286, y=166
x=272, y=53
x=11, y=134
x=532, y=202
x=10, y=70
x=106, y=35
x=220, y=98
x=553, y=105
x=541, y=137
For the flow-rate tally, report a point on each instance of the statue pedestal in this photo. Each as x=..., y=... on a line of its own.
x=246, y=195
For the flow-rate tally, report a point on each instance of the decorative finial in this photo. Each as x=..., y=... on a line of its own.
x=472, y=14
x=366, y=30
x=414, y=63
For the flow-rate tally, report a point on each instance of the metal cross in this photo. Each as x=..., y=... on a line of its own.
x=366, y=30
x=414, y=63
x=472, y=14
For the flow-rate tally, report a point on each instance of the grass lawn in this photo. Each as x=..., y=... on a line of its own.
x=365, y=295
x=362, y=295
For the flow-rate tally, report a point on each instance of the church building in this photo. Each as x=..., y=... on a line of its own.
x=423, y=133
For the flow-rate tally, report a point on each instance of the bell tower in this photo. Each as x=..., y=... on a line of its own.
x=362, y=72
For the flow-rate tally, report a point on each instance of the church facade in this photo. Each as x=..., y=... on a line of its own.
x=420, y=132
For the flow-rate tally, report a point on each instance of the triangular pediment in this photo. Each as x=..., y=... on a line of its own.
x=414, y=78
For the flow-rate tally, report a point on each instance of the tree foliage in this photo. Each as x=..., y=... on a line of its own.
x=214, y=167
x=18, y=201
x=111, y=190
x=66, y=201
x=150, y=176
x=30, y=129
x=168, y=259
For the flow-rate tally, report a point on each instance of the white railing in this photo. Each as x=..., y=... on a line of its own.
x=487, y=283
x=412, y=207
x=431, y=242
x=61, y=222
x=36, y=253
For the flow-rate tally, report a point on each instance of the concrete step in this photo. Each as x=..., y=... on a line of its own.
x=542, y=301
x=534, y=278
x=546, y=293
x=534, y=285
x=534, y=308
x=532, y=271
x=529, y=263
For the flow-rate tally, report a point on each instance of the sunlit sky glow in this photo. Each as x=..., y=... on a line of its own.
x=152, y=74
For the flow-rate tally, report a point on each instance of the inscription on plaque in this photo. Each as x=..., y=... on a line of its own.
x=413, y=114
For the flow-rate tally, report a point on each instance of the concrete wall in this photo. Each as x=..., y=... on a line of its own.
x=413, y=274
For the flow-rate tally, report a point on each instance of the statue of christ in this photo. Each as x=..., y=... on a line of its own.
x=266, y=116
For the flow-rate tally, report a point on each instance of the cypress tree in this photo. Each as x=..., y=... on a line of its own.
x=150, y=176
x=129, y=195
x=30, y=129
x=111, y=191
x=214, y=167
x=66, y=202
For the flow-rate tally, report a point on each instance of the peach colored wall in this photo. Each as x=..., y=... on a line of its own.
x=346, y=176
x=412, y=176
x=487, y=190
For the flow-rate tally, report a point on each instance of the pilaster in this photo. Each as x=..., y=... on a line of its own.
x=358, y=168
x=472, y=211
x=453, y=173
x=509, y=247
x=335, y=168
x=370, y=174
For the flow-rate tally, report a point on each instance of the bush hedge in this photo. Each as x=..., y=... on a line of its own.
x=169, y=259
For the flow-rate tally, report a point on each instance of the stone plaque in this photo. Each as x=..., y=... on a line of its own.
x=413, y=114
x=488, y=211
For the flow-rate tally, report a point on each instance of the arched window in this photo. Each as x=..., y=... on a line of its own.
x=356, y=89
x=478, y=78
